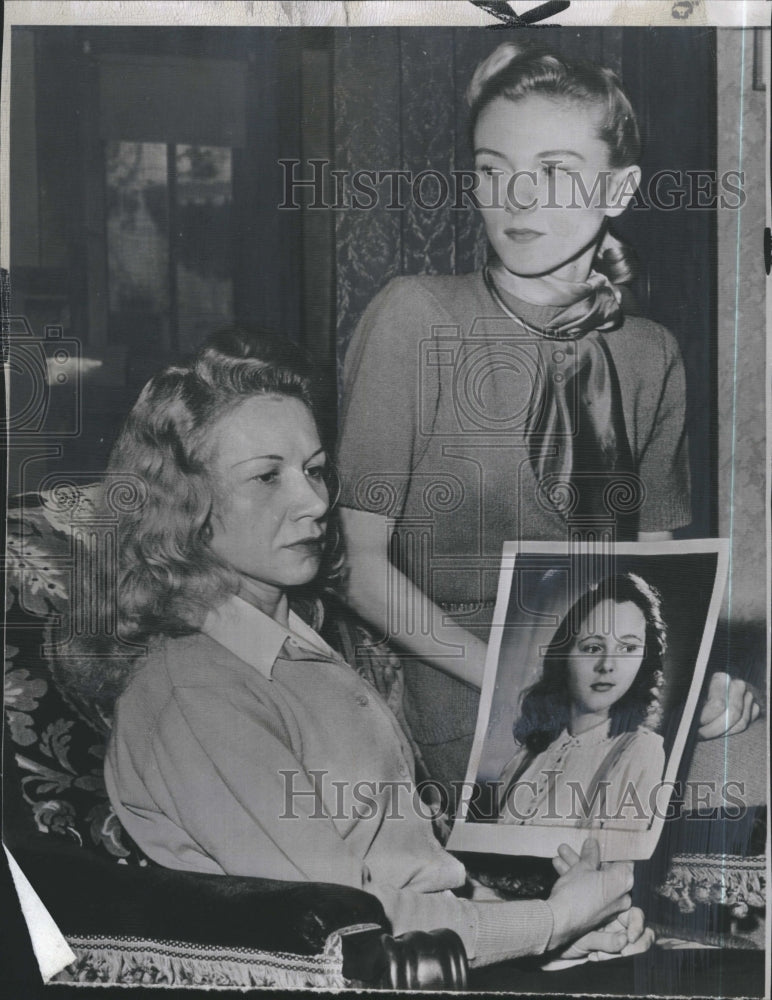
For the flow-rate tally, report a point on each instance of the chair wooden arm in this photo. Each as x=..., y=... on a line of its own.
x=419, y=960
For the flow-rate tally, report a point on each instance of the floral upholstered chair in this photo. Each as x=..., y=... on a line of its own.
x=126, y=919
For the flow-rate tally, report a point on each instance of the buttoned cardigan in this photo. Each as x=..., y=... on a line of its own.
x=250, y=749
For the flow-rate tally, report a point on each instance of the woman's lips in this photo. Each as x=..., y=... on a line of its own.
x=312, y=545
x=602, y=686
x=522, y=235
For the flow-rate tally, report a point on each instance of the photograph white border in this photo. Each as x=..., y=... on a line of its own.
x=543, y=841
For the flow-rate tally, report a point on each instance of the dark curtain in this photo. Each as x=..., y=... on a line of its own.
x=399, y=105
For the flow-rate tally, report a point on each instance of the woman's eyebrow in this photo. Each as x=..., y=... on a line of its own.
x=547, y=152
x=562, y=152
x=490, y=152
x=620, y=638
x=319, y=451
x=255, y=458
x=274, y=458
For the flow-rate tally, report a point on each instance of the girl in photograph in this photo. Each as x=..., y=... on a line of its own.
x=241, y=743
x=588, y=727
x=502, y=404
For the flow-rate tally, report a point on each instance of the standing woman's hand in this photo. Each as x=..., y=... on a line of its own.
x=729, y=708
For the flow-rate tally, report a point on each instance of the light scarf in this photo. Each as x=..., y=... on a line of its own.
x=575, y=431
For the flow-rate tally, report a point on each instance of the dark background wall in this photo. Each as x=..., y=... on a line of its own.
x=145, y=185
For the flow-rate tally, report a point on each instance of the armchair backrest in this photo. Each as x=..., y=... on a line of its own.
x=54, y=741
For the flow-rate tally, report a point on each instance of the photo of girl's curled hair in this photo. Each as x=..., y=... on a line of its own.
x=593, y=716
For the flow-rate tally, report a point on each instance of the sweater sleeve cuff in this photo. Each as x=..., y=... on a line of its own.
x=511, y=930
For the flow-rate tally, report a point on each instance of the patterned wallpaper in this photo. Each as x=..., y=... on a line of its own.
x=399, y=106
x=741, y=329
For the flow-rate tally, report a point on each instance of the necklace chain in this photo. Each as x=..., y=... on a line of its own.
x=546, y=333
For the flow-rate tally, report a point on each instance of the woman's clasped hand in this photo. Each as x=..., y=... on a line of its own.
x=585, y=889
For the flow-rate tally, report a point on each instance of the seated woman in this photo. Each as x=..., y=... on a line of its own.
x=242, y=744
x=588, y=751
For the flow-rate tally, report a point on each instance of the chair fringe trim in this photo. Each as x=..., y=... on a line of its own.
x=731, y=880
x=139, y=961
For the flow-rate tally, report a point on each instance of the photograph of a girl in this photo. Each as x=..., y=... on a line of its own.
x=591, y=694
x=239, y=696
x=590, y=722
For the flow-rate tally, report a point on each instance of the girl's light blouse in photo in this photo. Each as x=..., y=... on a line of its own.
x=251, y=749
x=589, y=780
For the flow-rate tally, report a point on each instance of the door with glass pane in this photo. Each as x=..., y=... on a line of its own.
x=169, y=241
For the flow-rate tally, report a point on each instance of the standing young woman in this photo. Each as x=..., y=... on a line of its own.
x=497, y=405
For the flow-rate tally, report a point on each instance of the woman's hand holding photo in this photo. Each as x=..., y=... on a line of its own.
x=585, y=898
x=624, y=934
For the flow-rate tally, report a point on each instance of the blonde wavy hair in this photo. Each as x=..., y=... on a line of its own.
x=168, y=576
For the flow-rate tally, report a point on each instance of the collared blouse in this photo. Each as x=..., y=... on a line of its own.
x=591, y=780
x=251, y=749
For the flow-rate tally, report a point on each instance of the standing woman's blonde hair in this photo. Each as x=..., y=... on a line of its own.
x=514, y=71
